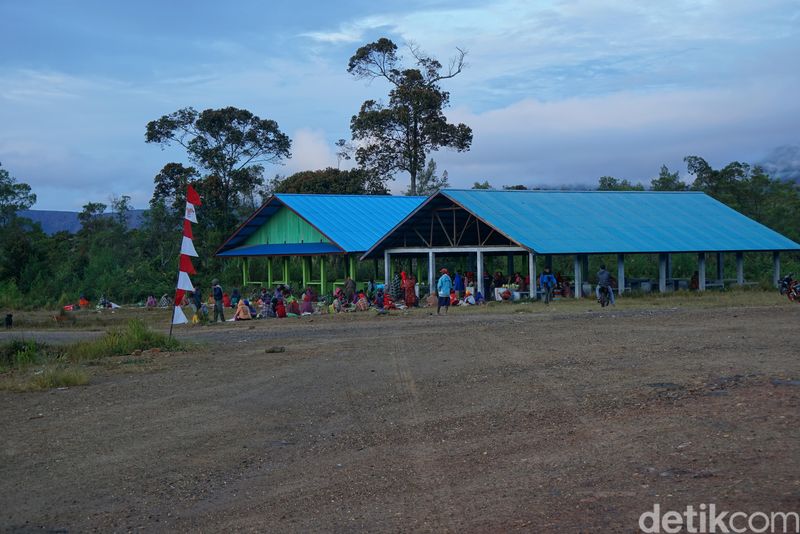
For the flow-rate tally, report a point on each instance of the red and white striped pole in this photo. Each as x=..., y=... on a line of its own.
x=185, y=263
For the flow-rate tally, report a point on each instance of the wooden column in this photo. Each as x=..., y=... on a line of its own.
x=532, y=275
x=245, y=268
x=776, y=268
x=662, y=273
x=306, y=270
x=701, y=271
x=578, y=276
x=620, y=273
x=740, y=268
x=323, y=275
x=269, y=272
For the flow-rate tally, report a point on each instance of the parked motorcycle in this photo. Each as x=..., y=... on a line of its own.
x=790, y=287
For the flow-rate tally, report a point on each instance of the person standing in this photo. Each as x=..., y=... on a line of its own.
x=443, y=287
x=218, y=295
x=349, y=289
x=458, y=284
x=548, y=282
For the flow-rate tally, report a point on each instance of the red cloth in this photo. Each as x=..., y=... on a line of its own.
x=226, y=300
x=186, y=264
x=179, y=294
x=192, y=197
x=280, y=309
x=187, y=229
x=411, y=296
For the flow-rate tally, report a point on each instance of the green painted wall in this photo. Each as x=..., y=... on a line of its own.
x=285, y=227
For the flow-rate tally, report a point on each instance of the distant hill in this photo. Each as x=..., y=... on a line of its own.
x=58, y=221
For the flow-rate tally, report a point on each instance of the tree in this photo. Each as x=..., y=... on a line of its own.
x=428, y=183
x=518, y=187
x=121, y=206
x=344, y=152
x=330, y=181
x=13, y=196
x=171, y=183
x=667, y=181
x=397, y=137
x=482, y=185
x=231, y=144
x=609, y=183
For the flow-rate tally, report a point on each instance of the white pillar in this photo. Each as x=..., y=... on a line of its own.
x=578, y=276
x=740, y=268
x=620, y=273
x=532, y=275
x=431, y=272
x=776, y=268
x=387, y=269
x=479, y=274
x=701, y=271
x=662, y=273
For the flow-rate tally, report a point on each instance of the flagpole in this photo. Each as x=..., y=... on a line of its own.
x=192, y=200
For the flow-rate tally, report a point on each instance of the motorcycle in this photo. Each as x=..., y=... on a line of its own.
x=605, y=298
x=790, y=287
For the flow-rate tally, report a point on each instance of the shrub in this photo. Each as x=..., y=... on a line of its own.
x=135, y=336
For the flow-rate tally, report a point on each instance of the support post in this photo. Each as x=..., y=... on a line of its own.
x=269, y=272
x=387, y=269
x=578, y=276
x=351, y=263
x=286, y=269
x=323, y=276
x=431, y=269
x=720, y=266
x=532, y=275
x=479, y=273
x=620, y=273
x=776, y=268
x=245, y=268
x=740, y=268
x=306, y=270
x=662, y=272
x=701, y=271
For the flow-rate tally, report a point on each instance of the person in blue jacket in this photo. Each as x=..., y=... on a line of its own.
x=458, y=284
x=548, y=282
x=443, y=287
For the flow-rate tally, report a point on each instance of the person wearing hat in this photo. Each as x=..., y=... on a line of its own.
x=217, y=290
x=443, y=287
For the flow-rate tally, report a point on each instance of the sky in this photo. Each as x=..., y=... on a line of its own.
x=556, y=92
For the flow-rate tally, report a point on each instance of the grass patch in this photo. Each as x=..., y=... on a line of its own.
x=19, y=353
x=121, y=341
x=48, y=377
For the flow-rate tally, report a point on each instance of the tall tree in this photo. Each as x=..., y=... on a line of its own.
x=428, y=182
x=398, y=136
x=231, y=144
x=482, y=185
x=330, y=181
x=609, y=183
x=14, y=196
x=667, y=181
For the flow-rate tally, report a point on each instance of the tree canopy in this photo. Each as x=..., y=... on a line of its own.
x=230, y=144
x=398, y=136
x=14, y=196
x=331, y=181
x=429, y=182
x=609, y=183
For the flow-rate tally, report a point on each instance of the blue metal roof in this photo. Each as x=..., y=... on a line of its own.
x=289, y=249
x=352, y=222
x=572, y=222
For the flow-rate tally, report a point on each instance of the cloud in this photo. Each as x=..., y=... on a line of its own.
x=310, y=151
x=783, y=162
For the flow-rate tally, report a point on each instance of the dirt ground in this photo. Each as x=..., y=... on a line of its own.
x=565, y=419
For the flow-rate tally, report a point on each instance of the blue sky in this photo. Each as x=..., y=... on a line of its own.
x=556, y=92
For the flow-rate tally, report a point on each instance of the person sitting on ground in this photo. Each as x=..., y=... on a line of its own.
x=280, y=309
x=469, y=299
x=454, y=301
x=151, y=301
x=349, y=289
x=362, y=304
x=604, y=281
x=235, y=297
x=479, y=298
x=242, y=312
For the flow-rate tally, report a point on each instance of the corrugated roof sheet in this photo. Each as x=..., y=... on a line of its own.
x=353, y=222
x=570, y=222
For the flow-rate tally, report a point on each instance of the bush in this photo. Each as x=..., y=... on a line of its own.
x=135, y=336
x=19, y=353
x=59, y=377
